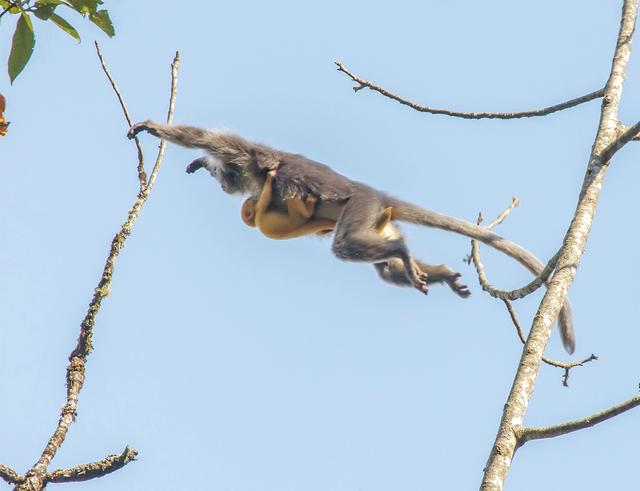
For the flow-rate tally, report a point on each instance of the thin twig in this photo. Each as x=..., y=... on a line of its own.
x=515, y=202
x=468, y=115
x=567, y=366
x=11, y=5
x=529, y=288
x=35, y=479
x=527, y=434
x=172, y=98
x=94, y=469
x=142, y=175
x=9, y=475
x=518, y=293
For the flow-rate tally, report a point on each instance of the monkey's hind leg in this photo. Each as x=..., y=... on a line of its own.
x=357, y=237
x=441, y=273
x=392, y=271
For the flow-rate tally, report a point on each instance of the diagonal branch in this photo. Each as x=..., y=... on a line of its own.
x=92, y=470
x=573, y=246
x=527, y=434
x=467, y=115
x=35, y=479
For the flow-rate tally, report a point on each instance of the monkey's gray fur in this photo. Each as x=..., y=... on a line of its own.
x=241, y=166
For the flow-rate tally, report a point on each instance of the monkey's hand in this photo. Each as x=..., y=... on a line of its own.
x=198, y=163
x=137, y=128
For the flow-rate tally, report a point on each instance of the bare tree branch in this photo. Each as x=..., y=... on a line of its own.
x=35, y=478
x=518, y=293
x=142, y=175
x=503, y=449
x=526, y=434
x=467, y=115
x=515, y=202
x=567, y=366
x=172, y=103
x=94, y=469
x=529, y=288
x=9, y=475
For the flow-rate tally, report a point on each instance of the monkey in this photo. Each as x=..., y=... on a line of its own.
x=240, y=167
x=297, y=223
x=275, y=224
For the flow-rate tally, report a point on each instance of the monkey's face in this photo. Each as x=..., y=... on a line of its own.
x=227, y=175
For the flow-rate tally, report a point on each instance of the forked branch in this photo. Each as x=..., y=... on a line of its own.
x=37, y=477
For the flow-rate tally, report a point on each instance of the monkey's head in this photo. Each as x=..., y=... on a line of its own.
x=248, y=212
x=229, y=176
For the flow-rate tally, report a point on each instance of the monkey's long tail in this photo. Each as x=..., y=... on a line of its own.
x=408, y=212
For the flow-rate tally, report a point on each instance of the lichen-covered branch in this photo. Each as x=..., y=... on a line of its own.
x=9, y=475
x=94, y=469
x=567, y=366
x=467, y=115
x=36, y=478
x=574, y=243
x=526, y=434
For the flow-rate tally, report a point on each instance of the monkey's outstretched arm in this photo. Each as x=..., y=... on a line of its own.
x=187, y=136
x=411, y=213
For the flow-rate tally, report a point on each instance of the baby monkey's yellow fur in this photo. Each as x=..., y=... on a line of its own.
x=296, y=222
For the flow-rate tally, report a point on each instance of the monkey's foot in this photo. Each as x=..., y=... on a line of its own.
x=418, y=278
x=454, y=283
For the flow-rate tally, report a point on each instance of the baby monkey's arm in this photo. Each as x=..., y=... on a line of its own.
x=280, y=225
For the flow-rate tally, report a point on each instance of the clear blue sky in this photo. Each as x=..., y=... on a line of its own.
x=234, y=362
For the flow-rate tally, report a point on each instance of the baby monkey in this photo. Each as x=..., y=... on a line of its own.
x=297, y=221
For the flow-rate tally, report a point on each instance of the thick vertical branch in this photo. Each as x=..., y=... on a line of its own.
x=574, y=243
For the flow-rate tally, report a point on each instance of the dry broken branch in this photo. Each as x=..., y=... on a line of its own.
x=467, y=115
x=94, y=469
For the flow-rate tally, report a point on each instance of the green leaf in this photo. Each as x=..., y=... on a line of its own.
x=65, y=26
x=50, y=2
x=102, y=20
x=43, y=12
x=15, y=9
x=85, y=6
x=21, y=47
